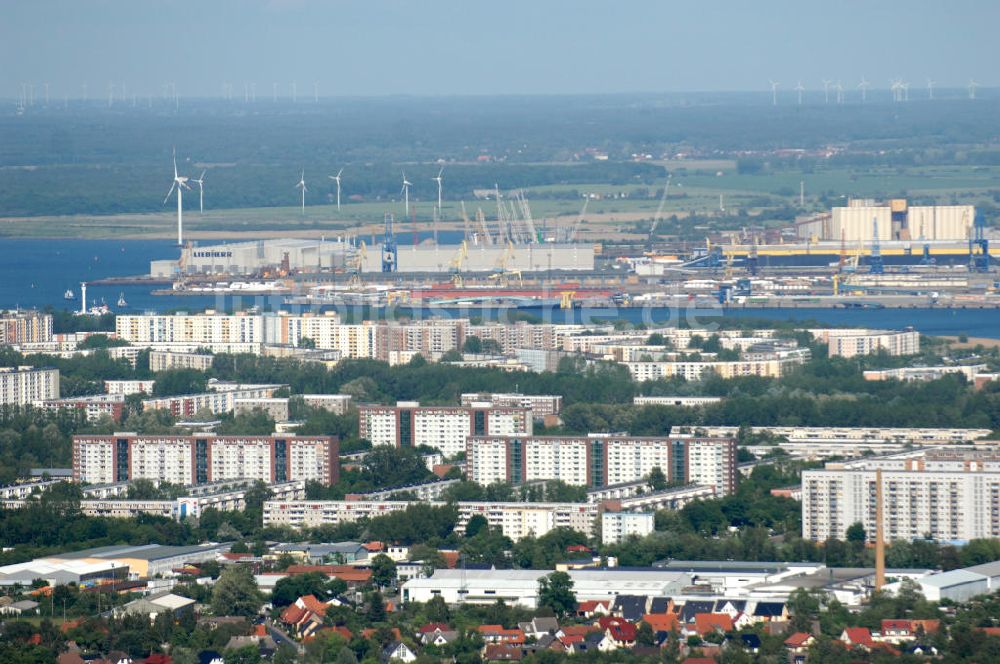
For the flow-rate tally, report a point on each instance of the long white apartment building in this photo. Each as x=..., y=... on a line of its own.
x=541, y=405
x=600, y=460
x=446, y=428
x=202, y=459
x=969, y=371
x=822, y=442
x=24, y=385
x=219, y=400
x=161, y=360
x=210, y=329
x=691, y=370
x=126, y=387
x=849, y=342
x=946, y=495
x=544, y=336
x=674, y=401
x=515, y=520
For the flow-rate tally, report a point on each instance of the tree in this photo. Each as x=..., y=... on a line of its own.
x=305, y=342
x=473, y=345
x=452, y=355
x=376, y=607
x=856, y=532
x=657, y=480
x=555, y=591
x=476, y=524
x=383, y=570
x=236, y=593
x=249, y=654
x=644, y=635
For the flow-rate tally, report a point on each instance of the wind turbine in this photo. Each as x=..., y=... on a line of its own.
x=863, y=86
x=201, y=192
x=895, y=86
x=826, y=91
x=972, y=88
x=774, y=92
x=438, y=180
x=930, y=89
x=406, y=195
x=840, y=92
x=905, y=85
x=180, y=184
x=336, y=178
x=799, y=88
x=302, y=185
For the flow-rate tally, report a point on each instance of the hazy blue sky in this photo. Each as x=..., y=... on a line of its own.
x=377, y=47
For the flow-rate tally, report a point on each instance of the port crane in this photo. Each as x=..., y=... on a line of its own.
x=579, y=220
x=457, y=263
x=875, y=264
x=357, y=265
x=390, y=252
x=503, y=274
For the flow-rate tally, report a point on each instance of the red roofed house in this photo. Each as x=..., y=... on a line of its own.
x=352, y=576
x=594, y=607
x=304, y=616
x=897, y=631
x=433, y=627
x=708, y=623
x=618, y=632
x=699, y=660
x=798, y=645
x=502, y=652
x=662, y=622
x=498, y=634
x=857, y=637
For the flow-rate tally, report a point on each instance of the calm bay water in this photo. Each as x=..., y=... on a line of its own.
x=36, y=273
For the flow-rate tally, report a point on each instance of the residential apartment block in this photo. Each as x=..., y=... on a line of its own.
x=126, y=387
x=335, y=403
x=408, y=424
x=852, y=342
x=516, y=520
x=209, y=329
x=616, y=527
x=25, y=327
x=161, y=360
x=200, y=459
x=218, y=400
x=94, y=406
x=946, y=495
x=541, y=405
x=689, y=370
x=22, y=386
x=600, y=460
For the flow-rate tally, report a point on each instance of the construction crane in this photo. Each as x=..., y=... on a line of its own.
x=843, y=252
x=457, y=263
x=579, y=220
x=875, y=265
x=390, y=252
x=753, y=260
x=357, y=265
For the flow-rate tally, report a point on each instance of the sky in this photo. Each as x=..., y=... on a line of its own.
x=459, y=47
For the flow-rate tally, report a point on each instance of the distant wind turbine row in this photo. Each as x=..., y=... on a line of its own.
x=899, y=90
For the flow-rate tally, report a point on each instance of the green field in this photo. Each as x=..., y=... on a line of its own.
x=691, y=192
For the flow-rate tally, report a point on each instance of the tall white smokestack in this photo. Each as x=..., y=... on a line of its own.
x=83, y=298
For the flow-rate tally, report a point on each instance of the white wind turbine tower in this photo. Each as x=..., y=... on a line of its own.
x=201, y=191
x=315, y=92
x=180, y=184
x=295, y=92
x=863, y=86
x=930, y=89
x=799, y=89
x=336, y=178
x=439, y=179
x=406, y=196
x=895, y=86
x=774, y=92
x=840, y=92
x=905, y=85
x=972, y=88
x=826, y=91
x=302, y=185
